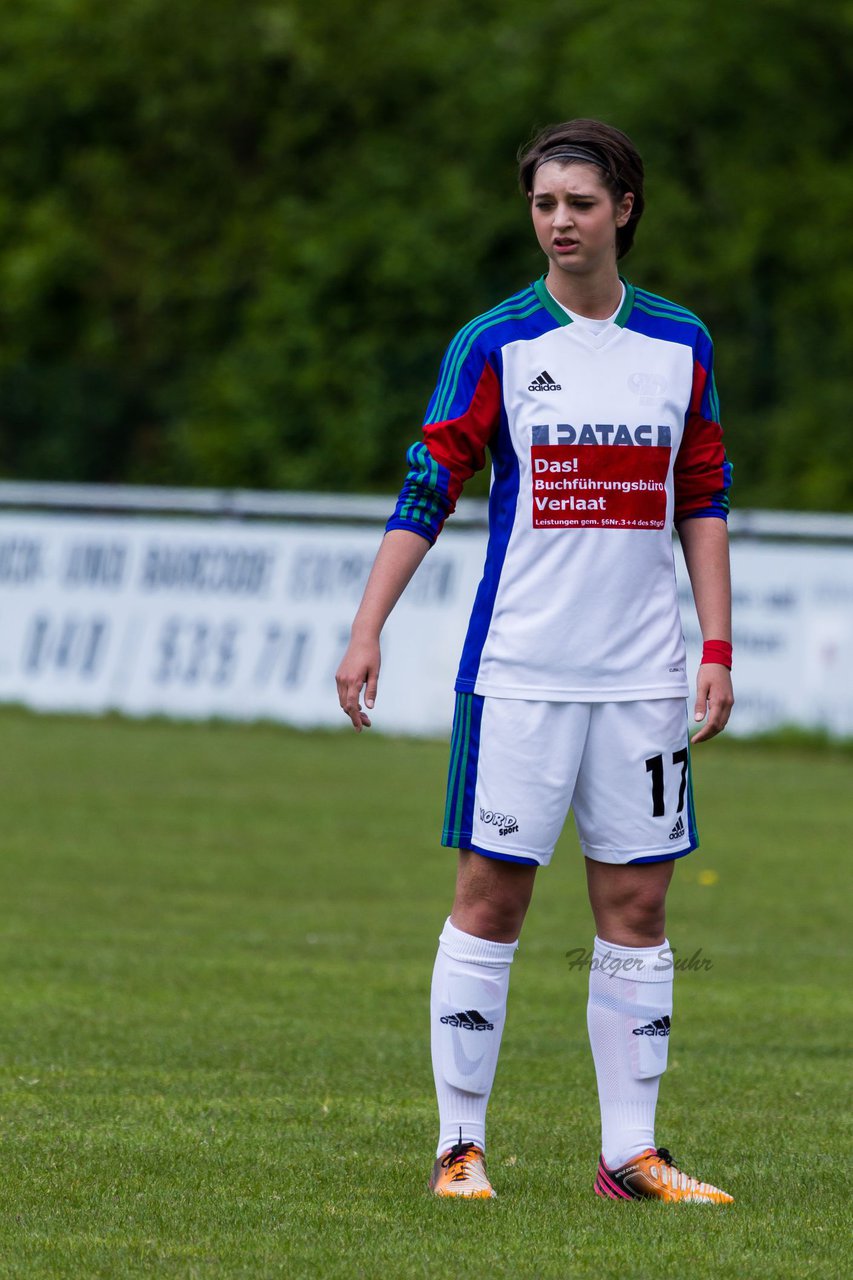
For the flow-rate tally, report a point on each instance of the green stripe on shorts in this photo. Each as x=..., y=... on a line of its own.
x=460, y=743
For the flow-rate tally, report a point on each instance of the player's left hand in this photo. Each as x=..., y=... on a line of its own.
x=714, y=700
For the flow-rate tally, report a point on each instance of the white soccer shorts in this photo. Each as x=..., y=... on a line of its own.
x=517, y=767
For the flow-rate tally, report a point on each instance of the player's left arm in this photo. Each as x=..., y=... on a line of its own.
x=702, y=478
x=705, y=542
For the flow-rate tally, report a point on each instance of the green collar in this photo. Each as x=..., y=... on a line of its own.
x=562, y=317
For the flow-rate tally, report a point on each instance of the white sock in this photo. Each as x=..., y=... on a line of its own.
x=467, y=1014
x=628, y=1016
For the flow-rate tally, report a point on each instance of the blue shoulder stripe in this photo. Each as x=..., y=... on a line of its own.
x=654, y=305
x=464, y=332
x=519, y=307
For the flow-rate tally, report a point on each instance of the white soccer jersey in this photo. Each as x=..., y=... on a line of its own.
x=599, y=442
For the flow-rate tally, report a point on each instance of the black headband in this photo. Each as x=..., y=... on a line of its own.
x=570, y=153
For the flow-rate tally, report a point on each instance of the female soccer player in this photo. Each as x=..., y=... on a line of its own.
x=596, y=401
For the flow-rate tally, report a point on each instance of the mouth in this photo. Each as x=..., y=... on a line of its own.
x=565, y=246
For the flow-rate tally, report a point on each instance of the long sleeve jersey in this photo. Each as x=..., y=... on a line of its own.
x=599, y=443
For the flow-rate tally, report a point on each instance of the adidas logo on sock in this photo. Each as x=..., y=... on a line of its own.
x=660, y=1027
x=469, y=1020
x=544, y=383
x=678, y=830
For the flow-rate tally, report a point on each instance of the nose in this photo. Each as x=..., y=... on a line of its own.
x=562, y=217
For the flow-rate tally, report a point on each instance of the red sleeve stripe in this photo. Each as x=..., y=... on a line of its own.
x=459, y=444
x=448, y=455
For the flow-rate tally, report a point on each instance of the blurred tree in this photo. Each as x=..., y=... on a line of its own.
x=236, y=237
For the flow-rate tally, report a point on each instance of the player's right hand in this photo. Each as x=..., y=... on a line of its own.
x=359, y=670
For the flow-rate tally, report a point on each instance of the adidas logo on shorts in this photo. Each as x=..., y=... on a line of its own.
x=678, y=830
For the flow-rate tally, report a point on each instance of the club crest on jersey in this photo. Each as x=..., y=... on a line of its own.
x=648, y=386
x=565, y=433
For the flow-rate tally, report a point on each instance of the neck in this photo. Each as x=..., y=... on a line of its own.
x=595, y=297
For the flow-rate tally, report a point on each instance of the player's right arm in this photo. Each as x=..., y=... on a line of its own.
x=462, y=417
x=399, y=555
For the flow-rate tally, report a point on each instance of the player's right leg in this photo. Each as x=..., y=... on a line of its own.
x=504, y=813
x=468, y=1010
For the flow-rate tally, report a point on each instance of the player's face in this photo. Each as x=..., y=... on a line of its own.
x=575, y=217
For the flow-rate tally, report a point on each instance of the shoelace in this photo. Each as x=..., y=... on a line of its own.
x=680, y=1180
x=460, y=1154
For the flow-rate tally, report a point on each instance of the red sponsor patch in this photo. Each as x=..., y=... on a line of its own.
x=599, y=486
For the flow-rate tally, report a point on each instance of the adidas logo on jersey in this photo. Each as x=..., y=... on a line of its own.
x=544, y=383
x=678, y=830
x=660, y=1027
x=469, y=1020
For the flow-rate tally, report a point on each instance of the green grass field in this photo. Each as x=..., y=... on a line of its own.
x=216, y=950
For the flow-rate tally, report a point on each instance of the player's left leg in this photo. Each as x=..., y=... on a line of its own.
x=634, y=814
x=630, y=990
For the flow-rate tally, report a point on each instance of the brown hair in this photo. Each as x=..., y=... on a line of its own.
x=612, y=150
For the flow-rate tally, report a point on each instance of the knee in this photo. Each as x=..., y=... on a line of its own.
x=498, y=920
x=629, y=902
x=491, y=901
x=637, y=918
x=645, y=914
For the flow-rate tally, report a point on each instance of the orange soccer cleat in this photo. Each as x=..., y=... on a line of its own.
x=461, y=1171
x=653, y=1176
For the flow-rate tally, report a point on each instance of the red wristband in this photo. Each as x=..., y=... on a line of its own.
x=719, y=651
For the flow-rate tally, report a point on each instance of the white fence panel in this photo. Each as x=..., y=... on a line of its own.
x=199, y=617
x=195, y=619
x=792, y=632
